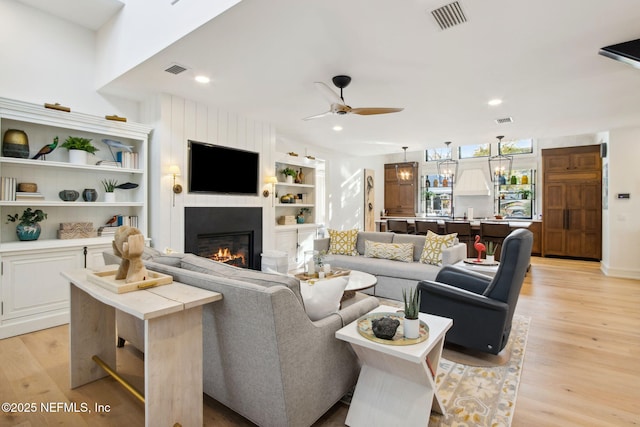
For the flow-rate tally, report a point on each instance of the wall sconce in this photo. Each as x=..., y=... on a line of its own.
x=273, y=181
x=177, y=188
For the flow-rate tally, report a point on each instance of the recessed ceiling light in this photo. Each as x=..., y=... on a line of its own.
x=203, y=79
x=495, y=102
x=337, y=128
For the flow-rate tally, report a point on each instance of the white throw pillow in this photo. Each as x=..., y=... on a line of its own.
x=322, y=297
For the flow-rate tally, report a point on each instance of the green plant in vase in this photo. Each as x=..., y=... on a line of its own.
x=79, y=143
x=492, y=247
x=28, y=227
x=289, y=172
x=109, y=185
x=411, y=311
x=301, y=214
x=524, y=194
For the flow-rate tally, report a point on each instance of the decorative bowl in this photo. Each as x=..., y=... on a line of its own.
x=69, y=195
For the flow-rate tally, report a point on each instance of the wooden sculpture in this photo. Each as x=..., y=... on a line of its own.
x=128, y=244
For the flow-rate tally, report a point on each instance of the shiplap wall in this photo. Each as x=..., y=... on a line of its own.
x=176, y=120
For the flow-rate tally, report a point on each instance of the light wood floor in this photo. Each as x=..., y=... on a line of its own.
x=582, y=363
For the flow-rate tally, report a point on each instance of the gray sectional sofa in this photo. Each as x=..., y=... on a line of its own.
x=263, y=357
x=393, y=276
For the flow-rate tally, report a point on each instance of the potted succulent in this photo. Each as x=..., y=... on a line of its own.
x=109, y=188
x=524, y=194
x=78, y=148
x=28, y=227
x=411, y=309
x=491, y=252
x=289, y=174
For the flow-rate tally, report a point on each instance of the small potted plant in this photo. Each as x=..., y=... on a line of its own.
x=411, y=309
x=28, y=227
x=289, y=174
x=492, y=247
x=78, y=149
x=301, y=213
x=109, y=188
x=524, y=194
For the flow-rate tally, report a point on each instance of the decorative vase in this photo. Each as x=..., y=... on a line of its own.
x=28, y=232
x=491, y=259
x=289, y=179
x=15, y=144
x=78, y=157
x=411, y=328
x=300, y=177
x=110, y=197
x=300, y=219
x=89, y=195
x=69, y=195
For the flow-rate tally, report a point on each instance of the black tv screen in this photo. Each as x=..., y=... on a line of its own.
x=222, y=170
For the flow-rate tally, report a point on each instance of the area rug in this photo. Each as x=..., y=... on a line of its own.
x=482, y=395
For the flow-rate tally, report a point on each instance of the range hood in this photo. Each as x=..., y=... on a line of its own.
x=472, y=182
x=627, y=52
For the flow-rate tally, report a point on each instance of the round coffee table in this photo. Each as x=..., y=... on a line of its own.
x=358, y=281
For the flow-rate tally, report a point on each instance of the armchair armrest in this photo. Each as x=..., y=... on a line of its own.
x=463, y=279
x=430, y=289
x=321, y=244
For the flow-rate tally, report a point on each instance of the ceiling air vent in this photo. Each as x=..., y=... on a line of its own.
x=449, y=15
x=504, y=120
x=175, y=69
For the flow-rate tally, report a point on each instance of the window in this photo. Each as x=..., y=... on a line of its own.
x=435, y=154
x=472, y=151
x=521, y=146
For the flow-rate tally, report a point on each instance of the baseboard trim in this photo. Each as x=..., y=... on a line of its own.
x=618, y=272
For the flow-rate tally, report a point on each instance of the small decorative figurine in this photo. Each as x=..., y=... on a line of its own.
x=128, y=244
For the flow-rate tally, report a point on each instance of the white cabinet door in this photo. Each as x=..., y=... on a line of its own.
x=306, y=236
x=34, y=294
x=287, y=241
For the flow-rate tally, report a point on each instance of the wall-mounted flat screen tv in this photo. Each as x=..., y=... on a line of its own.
x=222, y=170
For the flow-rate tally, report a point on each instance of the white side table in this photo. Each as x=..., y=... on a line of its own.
x=172, y=317
x=396, y=386
x=487, y=270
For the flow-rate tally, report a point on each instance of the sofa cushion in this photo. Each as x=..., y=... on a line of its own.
x=433, y=244
x=417, y=241
x=393, y=251
x=322, y=297
x=371, y=236
x=343, y=242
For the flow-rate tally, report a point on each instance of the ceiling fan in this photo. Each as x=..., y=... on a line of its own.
x=338, y=106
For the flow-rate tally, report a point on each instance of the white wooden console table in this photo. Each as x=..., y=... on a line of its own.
x=172, y=317
x=396, y=386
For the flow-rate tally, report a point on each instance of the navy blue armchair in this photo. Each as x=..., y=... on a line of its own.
x=481, y=307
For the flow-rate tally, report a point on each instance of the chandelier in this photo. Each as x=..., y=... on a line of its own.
x=448, y=167
x=500, y=164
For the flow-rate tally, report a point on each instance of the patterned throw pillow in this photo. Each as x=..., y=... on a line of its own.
x=343, y=242
x=432, y=251
x=395, y=251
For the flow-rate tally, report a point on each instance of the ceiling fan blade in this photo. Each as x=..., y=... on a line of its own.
x=370, y=111
x=329, y=94
x=318, y=115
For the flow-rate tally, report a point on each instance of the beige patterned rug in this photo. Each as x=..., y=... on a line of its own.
x=483, y=390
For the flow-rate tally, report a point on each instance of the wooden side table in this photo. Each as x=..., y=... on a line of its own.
x=173, y=343
x=396, y=385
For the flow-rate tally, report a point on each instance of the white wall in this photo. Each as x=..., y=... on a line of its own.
x=47, y=60
x=177, y=120
x=623, y=248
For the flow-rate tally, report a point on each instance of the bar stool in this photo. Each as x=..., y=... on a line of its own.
x=400, y=226
x=494, y=232
x=423, y=226
x=463, y=228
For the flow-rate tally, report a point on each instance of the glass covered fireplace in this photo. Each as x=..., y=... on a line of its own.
x=231, y=248
x=232, y=235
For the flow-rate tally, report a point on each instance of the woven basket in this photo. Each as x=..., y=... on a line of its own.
x=28, y=187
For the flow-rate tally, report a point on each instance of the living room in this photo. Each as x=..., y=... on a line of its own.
x=55, y=60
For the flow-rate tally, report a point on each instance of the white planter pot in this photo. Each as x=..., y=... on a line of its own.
x=110, y=197
x=78, y=157
x=289, y=179
x=491, y=259
x=411, y=328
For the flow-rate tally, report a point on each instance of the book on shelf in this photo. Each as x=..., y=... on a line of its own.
x=8, y=188
x=109, y=163
x=25, y=195
x=129, y=160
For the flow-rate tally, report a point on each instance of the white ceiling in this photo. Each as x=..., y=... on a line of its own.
x=91, y=14
x=540, y=57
